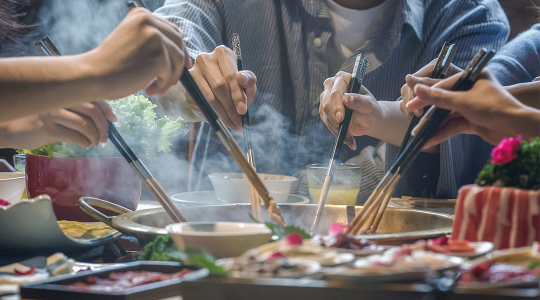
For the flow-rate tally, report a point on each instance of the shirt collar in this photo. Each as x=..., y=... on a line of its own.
x=413, y=15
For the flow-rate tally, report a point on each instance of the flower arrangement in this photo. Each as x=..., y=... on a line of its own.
x=514, y=163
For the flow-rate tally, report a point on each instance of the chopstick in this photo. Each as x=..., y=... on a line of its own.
x=354, y=87
x=47, y=48
x=253, y=195
x=274, y=213
x=369, y=217
x=439, y=71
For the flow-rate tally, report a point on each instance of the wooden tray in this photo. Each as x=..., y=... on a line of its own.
x=57, y=287
x=219, y=288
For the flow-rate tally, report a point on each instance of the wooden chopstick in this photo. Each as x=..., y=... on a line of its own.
x=358, y=73
x=439, y=71
x=46, y=47
x=253, y=195
x=377, y=201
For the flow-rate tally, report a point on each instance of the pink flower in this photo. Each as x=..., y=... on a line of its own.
x=506, y=151
x=292, y=239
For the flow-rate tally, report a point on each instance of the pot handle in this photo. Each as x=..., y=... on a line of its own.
x=85, y=203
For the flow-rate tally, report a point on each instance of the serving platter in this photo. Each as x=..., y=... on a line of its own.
x=58, y=288
x=30, y=225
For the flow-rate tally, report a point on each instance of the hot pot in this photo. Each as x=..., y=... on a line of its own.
x=397, y=226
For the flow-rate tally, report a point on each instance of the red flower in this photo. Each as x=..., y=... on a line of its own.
x=293, y=239
x=506, y=151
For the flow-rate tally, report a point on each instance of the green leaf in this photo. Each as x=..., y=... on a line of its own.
x=282, y=231
x=203, y=259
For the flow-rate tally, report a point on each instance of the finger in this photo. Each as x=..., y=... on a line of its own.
x=80, y=123
x=448, y=130
x=450, y=100
x=341, y=84
x=247, y=81
x=214, y=102
x=107, y=110
x=231, y=88
x=89, y=119
x=361, y=104
x=68, y=135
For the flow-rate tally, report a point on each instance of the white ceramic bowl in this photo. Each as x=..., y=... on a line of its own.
x=12, y=185
x=221, y=239
x=234, y=187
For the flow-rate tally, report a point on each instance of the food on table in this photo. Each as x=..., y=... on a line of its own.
x=58, y=264
x=344, y=241
x=82, y=230
x=444, y=245
x=4, y=202
x=404, y=259
x=275, y=265
x=292, y=246
x=512, y=265
x=494, y=272
x=119, y=281
x=337, y=195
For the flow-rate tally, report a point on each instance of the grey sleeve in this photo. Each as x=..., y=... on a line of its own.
x=199, y=20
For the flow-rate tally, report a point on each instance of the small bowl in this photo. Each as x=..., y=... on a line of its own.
x=234, y=187
x=12, y=185
x=221, y=239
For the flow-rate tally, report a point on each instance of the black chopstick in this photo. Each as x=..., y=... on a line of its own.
x=245, y=117
x=439, y=71
x=358, y=73
x=47, y=48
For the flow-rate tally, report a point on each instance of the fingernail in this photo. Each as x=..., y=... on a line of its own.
x=241, y=108
x=245, y=77
x=338, y=116
x=347, y=98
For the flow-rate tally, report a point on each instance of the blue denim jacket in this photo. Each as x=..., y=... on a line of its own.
x=284, y=43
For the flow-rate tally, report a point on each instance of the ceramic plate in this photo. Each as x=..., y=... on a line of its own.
x=30, y=225
x=312, y=268
x=518, y=256
x=480, y=248
x=361, y=253
x=209, y=198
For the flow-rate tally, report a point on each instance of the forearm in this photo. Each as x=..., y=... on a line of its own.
x=524, y=121
x=34, y=85
x=393, y=126
x=527, y=93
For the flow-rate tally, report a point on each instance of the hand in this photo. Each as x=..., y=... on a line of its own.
x=144, y=51
x=217, y=75
x=367, y=112
x=420, y=76
x=482, y=110
x=83, y=125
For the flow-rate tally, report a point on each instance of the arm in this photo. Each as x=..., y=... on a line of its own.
x=142, y=41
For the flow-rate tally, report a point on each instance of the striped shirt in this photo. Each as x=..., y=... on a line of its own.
x=284, y=43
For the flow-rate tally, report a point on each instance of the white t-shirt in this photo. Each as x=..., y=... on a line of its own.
x=352, y=29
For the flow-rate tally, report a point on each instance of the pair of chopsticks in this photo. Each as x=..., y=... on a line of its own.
x=358, y=73
x=274, y=213
x=253, y=194
x=369, y=217
x=47, y=48
x=439, y=71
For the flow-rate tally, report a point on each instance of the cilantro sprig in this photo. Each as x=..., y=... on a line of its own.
x=282, y=231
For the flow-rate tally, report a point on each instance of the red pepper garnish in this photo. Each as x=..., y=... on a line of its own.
x=4, y=202
x=293, y=239
x=336, y=229
x=275, y=255
x=29, y=272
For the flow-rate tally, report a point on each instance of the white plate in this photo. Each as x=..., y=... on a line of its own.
x=340, y=259
x=313, y=268
x=361, y=253
x=480, y=248
x=209, y=198
x=516, y=256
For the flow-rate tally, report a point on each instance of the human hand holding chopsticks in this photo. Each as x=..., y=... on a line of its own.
x=219, y=79
x=420, y=76
x=487, y=110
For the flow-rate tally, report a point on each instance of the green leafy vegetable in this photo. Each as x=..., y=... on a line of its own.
x=282, y=231
x=138, y=125
x=533, y=264
x=163, y=249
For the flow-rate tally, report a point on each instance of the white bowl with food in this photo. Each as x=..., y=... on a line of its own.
x=234, y=187
x=12, y=185
x=221, y=239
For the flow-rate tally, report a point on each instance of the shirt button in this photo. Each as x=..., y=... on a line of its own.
x=317, y=42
